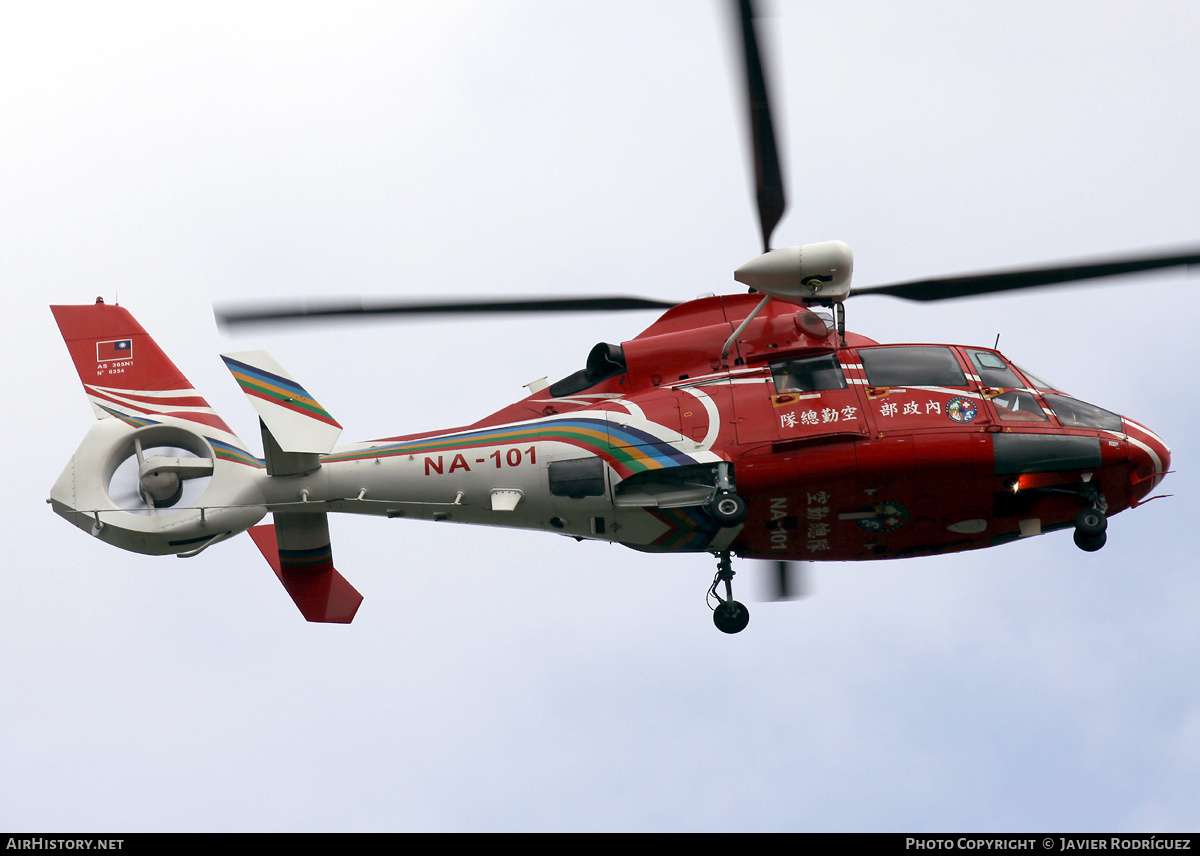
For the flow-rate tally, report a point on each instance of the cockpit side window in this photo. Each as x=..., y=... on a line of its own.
x=808, y=374
x=1074, y=413
x=1016, y=405
x=1007, y=391
x=911, y=366
x=993, y=371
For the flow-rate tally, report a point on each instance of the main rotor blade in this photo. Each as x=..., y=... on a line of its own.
x=786, y=581
x=768, y=179
x=969, y=285
x=351, y=309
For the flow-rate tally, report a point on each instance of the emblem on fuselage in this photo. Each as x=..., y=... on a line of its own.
x=962, y=410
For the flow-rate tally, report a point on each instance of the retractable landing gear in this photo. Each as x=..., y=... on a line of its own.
x=725, y=507
x=729, y=615
x=1090, y=526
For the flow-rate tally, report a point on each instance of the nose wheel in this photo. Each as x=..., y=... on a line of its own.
x=1090, y=529
x=729, y=615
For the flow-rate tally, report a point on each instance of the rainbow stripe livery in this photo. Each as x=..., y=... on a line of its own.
x=627, y=449
x=276, y=388
x=294, y=418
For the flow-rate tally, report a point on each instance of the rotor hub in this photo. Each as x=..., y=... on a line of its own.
x=811, y=273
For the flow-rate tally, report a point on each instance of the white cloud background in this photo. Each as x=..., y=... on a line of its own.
x=172, y=155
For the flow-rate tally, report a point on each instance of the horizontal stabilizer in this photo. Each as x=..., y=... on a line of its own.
x=296, y=421
x=320, y=592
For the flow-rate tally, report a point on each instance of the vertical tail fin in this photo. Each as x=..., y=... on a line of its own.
x=124, y=372
x=297, y=548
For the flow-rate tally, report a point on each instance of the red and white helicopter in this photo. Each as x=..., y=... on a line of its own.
x=750, y=424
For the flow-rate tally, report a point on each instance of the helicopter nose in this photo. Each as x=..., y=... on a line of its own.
x=1149, y=455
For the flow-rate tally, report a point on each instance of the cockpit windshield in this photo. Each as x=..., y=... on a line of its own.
x=1073, y=413
x=1036, y=381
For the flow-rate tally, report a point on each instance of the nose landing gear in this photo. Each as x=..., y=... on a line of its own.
x=1090, y=524
x=729, y=615
x=1090, y=529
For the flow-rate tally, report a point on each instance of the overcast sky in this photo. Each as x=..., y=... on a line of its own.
x=170, y=155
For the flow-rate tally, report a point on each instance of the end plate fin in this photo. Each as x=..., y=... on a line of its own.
x=296, y=420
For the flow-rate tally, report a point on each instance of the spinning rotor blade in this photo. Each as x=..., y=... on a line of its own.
x=349, y=309
x=768, y=178
x=785, y=581
x=969, y=285
x=768, y=190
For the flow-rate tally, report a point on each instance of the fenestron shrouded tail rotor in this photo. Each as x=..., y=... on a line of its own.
x=159, y=477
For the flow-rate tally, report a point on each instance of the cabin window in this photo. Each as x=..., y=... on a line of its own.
x=1073, y=413
x=808, y=374
x=908, y=366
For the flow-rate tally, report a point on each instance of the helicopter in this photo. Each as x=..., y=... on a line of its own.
x=752, y=425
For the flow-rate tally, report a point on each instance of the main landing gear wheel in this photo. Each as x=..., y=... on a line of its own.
x=729, y=615
x=1090, y=543
x=727, y=508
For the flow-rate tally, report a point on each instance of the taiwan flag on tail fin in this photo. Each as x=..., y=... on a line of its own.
x=119, y=349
